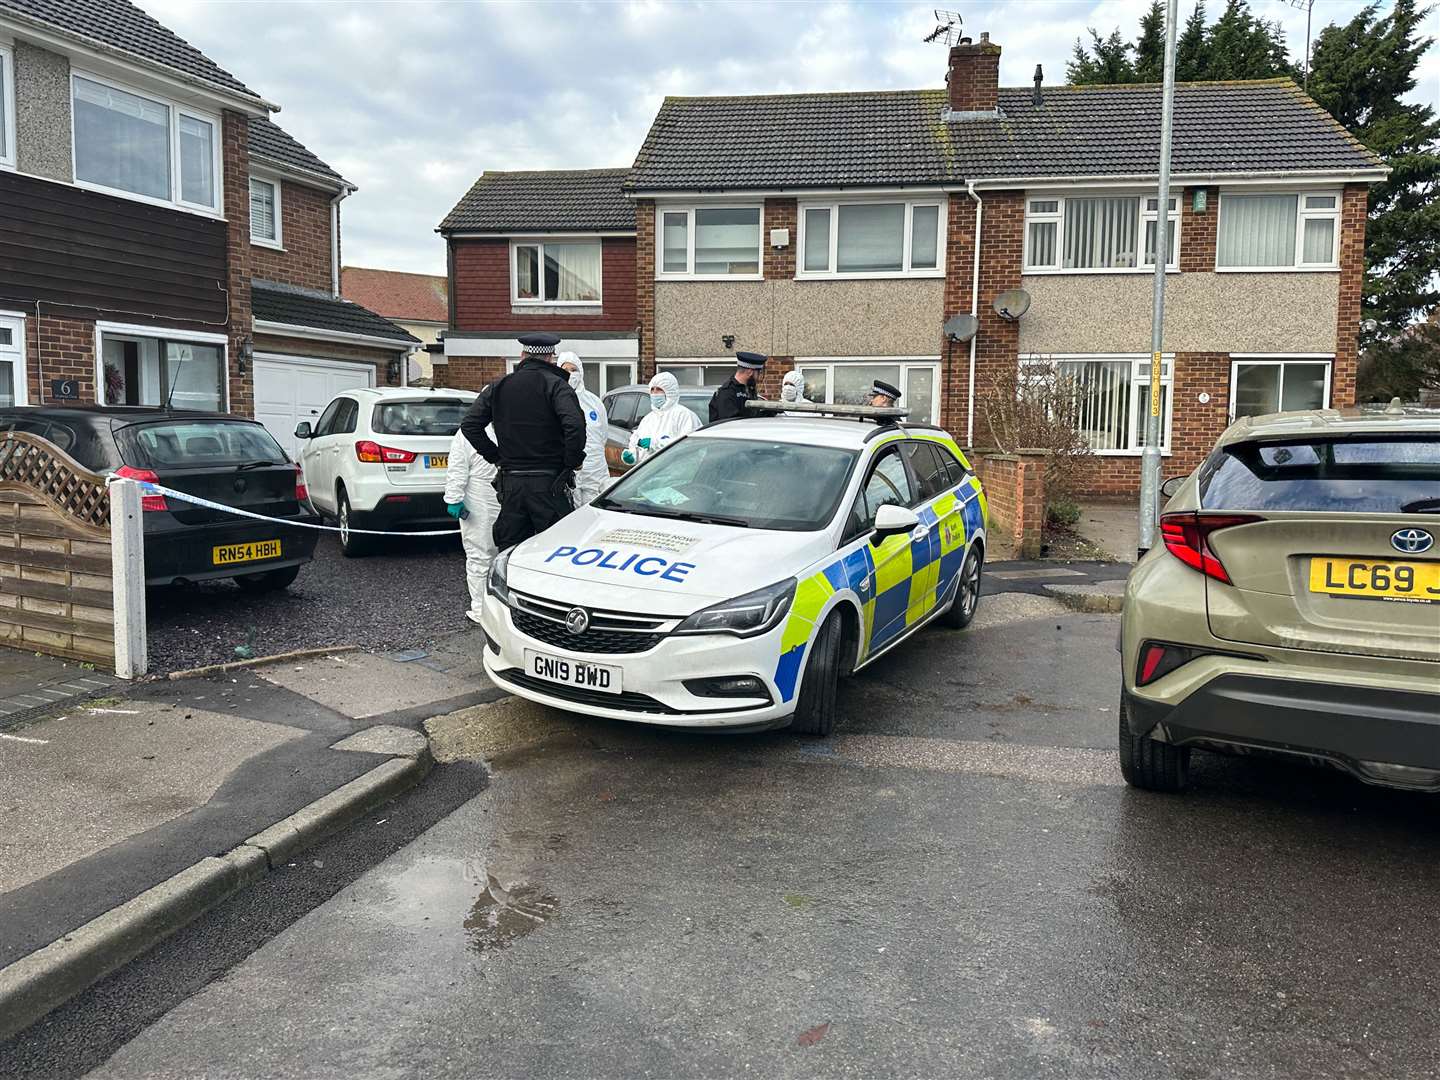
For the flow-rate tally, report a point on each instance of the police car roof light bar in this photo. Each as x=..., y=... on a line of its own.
x=847, y=412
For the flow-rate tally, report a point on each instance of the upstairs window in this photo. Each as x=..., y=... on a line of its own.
x=143, y=146
x=1092, y=233
x=709, y=242
x=1270, y=231
x=554, y=272
x=265, y=212
x=871, y=239
x=7, y=106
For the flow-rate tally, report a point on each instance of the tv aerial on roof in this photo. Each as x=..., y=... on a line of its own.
x=1011, y=304
x=947, y=27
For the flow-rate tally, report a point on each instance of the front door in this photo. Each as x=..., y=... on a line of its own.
x=12, y=361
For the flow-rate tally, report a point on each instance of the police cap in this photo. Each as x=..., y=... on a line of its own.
x=753, y=360
x=539, y=344
x=885, y=388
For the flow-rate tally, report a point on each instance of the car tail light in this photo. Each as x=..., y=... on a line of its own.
x=368, y=450
x=1187, y=537
x=144, y=476
x=1158, y=659
x=302, y=493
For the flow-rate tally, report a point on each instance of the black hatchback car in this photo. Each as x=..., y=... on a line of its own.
x=214, y=456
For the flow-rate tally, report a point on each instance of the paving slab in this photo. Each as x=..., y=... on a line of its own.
x=1112, y=527
x=31, y=683
x=362, y=685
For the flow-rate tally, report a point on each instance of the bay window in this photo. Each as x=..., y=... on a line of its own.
x=1273, y=230
x=186, y=371
x=556, y=272
x=848, y=382
x=143, y=146
x=870, y=239
x=1110, y=398
x=7, y=106
x=1270, y=385
x=1097, y=232
x=709, y=242
x=265, y=212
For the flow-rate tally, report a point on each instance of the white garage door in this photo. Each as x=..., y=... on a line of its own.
x=288, y=391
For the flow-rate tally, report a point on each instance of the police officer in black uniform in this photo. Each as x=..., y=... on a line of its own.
x=729, y=401
x=884, y=395
x=541, y=431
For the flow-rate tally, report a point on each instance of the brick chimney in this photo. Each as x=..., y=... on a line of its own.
x=974, y=76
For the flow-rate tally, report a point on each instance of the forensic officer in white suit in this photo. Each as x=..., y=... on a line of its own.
x=470, y=498
x=666, y=421
x=594, y=475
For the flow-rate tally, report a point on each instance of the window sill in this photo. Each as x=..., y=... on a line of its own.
x=1148, y=271
x=1277, y=269
x=887, y=275
x=1125, y=453
x=709, y=277
x=541, y=305
x=256, y=241
x=146, y=200
x=575, y=310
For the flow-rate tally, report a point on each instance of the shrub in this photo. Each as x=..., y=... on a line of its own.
x=1062, y=512
x=1037, y=410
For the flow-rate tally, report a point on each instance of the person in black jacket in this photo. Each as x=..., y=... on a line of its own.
x=729, y=401
x=541, y=434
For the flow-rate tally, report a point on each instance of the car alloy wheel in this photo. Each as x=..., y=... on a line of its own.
x=962, y=607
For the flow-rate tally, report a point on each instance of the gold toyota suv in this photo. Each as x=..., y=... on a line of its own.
x=1293, y=605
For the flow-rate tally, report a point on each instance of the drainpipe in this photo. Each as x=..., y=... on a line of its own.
x=975, y=311
x=335, y=239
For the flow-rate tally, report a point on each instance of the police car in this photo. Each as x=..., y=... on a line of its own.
x=731, y=580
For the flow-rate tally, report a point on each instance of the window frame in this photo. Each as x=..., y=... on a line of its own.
x=539, y=242
x=15, y=321
x=905, y=363
x=939, y=202
x=884, y=450
x=689, y=209
x=1139, y=396
x=8, y=136
x=176, y=111
x=160, y=334
x=1058, y=217
x=674, y=363
x=278, y=243
x=1278, y=360
x=1302, y=214
x=511, y=363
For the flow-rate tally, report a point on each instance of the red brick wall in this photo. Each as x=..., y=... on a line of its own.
x=959, y=267
x=482, y=289
x=305, y=233
x=59, y=348
x=770, y=377
x=779, y=264
x=330, y=350
x=1197, y=232
x=239, y=267
x=645, y=285
x=1352, y=283
x=998, y=342
x=469, y=372
x=1015, y=491
x=974, y=78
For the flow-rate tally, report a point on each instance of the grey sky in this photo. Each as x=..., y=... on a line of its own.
x=411, y=100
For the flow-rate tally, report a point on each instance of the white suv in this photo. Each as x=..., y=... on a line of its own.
x=376, y=459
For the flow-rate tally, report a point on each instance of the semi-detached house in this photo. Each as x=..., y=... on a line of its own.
x=160, y=237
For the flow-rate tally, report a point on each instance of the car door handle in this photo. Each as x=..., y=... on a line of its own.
x=920, y=532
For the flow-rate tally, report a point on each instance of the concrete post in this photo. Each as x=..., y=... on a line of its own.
x=127, y=571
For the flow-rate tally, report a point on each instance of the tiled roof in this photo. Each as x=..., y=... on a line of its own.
x=269, y=140
x=123, y=26
x=397, y=295
x=551, y=201
x=901, y=137
x=273, y=302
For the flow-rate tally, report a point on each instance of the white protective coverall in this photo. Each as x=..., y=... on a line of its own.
x=792, y=390
x=594, y=475
x=470, y=480
x=664, y=423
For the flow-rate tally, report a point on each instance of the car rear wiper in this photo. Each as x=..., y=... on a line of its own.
x=254, y=465
x=1421, y=506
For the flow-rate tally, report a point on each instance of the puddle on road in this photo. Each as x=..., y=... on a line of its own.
x=501, y=915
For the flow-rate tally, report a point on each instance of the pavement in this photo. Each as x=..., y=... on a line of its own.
x=32, y=684
x=1113, y=527
x=958, y=883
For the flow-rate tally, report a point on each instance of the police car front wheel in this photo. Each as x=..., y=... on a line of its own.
x=815, y=707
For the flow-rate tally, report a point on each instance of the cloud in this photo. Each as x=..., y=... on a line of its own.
x=413, y=100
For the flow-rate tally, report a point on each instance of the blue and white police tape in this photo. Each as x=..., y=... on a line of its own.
x=149, y=488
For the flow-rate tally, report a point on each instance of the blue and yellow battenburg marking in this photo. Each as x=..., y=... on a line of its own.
x=897, y=584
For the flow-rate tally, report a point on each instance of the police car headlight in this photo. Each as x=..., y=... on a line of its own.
x=753, y=613
x=498, y=587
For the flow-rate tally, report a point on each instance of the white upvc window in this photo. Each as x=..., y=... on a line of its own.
x=266, y=226
x=870, y=239
x=698, y=372
x=708, y=242
x=14, y=388
x=1110, y=398
x=142, y=365
x=601, y=376
x=835, y=380
x=1271, y=384
x=1278, y=230
x=556, y=272
x=1097, y=232
x=7, y=107
x=144, y=147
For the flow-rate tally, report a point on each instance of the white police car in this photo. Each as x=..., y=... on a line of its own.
x=731, y=580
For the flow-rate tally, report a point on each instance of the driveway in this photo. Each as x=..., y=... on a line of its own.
x=404, y=597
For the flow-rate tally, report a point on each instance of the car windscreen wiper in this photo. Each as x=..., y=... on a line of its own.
x=703, y=519
x=255, y=465
x=1421, y=506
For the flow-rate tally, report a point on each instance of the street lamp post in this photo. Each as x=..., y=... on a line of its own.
x=1150, y=454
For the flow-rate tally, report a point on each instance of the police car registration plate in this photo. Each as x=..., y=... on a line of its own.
x=561, y=669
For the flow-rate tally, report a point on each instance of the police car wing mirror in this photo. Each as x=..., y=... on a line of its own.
x=892, y=520
x=303, y=430
x=1169, y=487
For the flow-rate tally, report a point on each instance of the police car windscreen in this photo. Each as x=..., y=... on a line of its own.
x=751, y=482
x=430, y=417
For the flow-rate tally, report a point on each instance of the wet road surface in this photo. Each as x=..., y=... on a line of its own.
x=958, y=884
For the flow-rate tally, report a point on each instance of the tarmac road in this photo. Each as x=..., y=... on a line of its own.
x=958, y=884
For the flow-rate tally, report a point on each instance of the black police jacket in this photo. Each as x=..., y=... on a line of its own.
x=537, y=420
x=729, y=401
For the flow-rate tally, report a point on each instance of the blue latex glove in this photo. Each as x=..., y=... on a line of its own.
x=627, y=457
x=456, y=510
x=644, y=443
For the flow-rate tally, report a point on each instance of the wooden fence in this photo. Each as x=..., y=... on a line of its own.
x=56, y=587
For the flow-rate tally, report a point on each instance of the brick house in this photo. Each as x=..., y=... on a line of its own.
x=838, y=232
x=417, y=303
x=552, y=251
x=160, y=237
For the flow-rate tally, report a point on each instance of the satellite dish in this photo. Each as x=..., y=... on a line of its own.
x=961, y=327
x=1011, y=304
